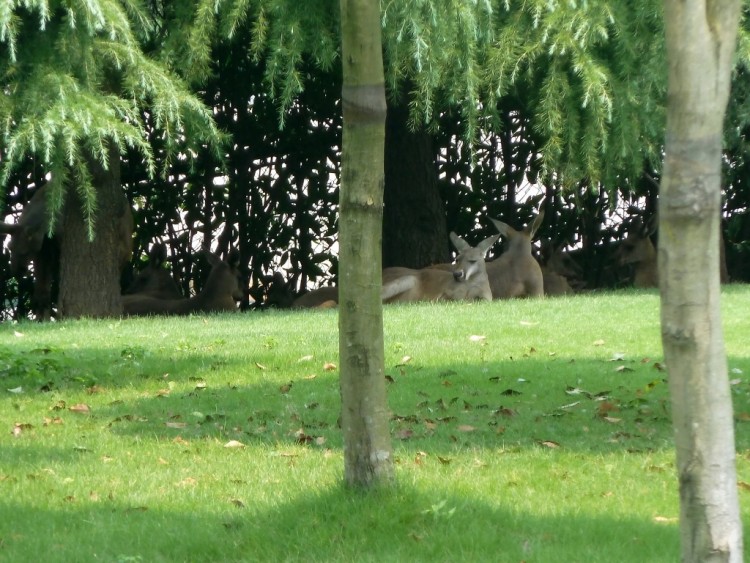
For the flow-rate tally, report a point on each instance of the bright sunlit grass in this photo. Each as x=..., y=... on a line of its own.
x=523, y=431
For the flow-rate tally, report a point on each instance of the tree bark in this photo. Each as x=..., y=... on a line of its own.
x=701, y=36
x=90, y=269
x=414, y=230
x=368, y=458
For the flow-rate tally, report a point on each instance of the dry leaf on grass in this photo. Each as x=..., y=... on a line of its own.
x=234, y=444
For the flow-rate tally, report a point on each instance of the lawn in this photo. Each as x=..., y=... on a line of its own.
x=533, y=431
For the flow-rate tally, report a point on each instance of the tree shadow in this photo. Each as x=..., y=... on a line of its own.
x=334, y=524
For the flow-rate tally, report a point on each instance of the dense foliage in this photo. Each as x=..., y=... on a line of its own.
x=523, y=99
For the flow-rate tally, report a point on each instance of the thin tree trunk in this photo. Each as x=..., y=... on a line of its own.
x=368, y=459
x=701, y=35
x=90, y=269
x=414, y=230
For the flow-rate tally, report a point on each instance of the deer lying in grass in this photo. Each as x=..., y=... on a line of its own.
x=558, y=269
x=30, y=243
x=279, y=293
x=221, y=293
x=154, y=280
x=638, y=249
x=466, y=280
x=321, y=298
x=516, y=273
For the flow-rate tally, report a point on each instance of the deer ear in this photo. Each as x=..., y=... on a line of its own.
x=487, y=243
x=503, y=228
x=233, y=258
x=212, y=258
x=458, y=242
x=157, y=254
x=536, y=223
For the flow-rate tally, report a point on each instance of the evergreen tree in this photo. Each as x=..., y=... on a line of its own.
x=79, y=90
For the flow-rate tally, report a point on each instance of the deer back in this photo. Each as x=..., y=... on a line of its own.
x=516, y=273
x=321, y=298
x=154, y=280
x=220, y=293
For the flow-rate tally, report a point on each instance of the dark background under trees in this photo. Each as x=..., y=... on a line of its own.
x=274, y=196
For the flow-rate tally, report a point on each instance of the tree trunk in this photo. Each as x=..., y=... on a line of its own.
x=414, y=231
x=90, y=269
x=368, y=459
x=701, y=35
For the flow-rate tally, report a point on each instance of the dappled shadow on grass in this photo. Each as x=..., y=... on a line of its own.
x=495, y=405
x=333, y=524
x=535, y=400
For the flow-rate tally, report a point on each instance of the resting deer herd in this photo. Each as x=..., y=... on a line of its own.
x=515, y=273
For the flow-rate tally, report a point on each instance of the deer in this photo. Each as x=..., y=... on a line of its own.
x=279, y=293
x=31, y=243
x=221, y=293
x=516, y=273
x=466, y=279
x=154, y=280
x=324, y=297
x=638, y=249
x=558, y=268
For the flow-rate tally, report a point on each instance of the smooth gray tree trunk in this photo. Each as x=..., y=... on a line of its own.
x=701, y=36
x=368, y=459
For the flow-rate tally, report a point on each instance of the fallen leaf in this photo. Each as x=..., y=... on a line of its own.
x=16, y=390
x=176, y=424
x=234, y=444
x=528, y=323
x=306, y=358
x=510, y=392
x=82, y=408
x=329, y=366
x=18, y=334
x=477, y=338
x=285, y=388
x=466, y=428
x=548, y=443
x=599, y=342
x=94, y=389
x=606, y=407
x=617, y=357
x=611, y=419
x=622, y=369
x=19, y=427
x=311, y=376
x=665, y=520
x=404, y=434
x=405, y=360
x=237, y=502
x=260, y=366
x=444, y=460
x=743, y=485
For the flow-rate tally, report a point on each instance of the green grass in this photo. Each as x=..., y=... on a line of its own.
x=523, y=431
